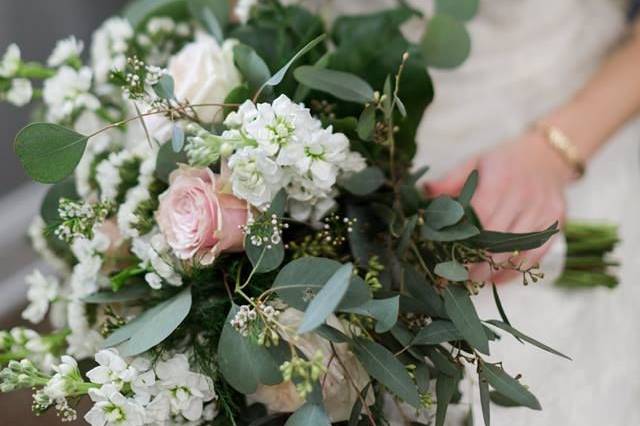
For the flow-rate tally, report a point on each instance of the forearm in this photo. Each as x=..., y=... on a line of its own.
x=608, y=100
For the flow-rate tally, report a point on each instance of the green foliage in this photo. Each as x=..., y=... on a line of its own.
x=384, y=311
x=152, y=326
x=251, y=66
x=213, y=15
x=129, y=293
x=463, y=314
x=446, y=387
x=384, y=367
x=167, y=161
x=437, y=332
x=345, y=86
x=508, y=386
x=242, y=362
x=463, y=10
x=177, y=138
x=49, y=208
x=327, y=300
x=502, y=242
x=300, y=280
x=446, y=42
x=365, y=182
x=267, y=256
x=519, y=335
x=442, y=212
x=309, y=415
x=49, y=152
x=165, y=87
x=139, y=12
x=452, y=271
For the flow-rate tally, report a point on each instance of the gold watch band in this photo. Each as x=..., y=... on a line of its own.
x=564, y=146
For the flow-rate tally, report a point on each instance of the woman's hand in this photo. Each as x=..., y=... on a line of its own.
x=521, y=189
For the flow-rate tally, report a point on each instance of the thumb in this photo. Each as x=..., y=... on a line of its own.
x=453, y=182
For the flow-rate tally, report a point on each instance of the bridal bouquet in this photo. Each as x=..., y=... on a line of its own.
x=235, y=230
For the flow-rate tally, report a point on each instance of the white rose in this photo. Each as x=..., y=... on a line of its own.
x=338, y=392
x=204, y=73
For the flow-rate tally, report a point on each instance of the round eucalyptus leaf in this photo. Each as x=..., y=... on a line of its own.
x=446, y=42
x=463, y=10
x=51, y=201
x=49, y=152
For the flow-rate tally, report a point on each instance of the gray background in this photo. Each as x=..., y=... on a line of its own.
x=35, y=25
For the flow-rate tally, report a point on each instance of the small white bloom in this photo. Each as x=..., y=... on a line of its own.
x=181, y=391
x=20, y=92
x=254, y=176
x=67, y=92
x=66, y=49
x=10, y=62
x=111, y=369
x=109, y=47
x=111, y=408
x=42, y=291
x=160, y=24
x=243, y=10
x=65, y=373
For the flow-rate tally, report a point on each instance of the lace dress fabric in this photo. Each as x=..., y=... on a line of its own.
x=528, y=57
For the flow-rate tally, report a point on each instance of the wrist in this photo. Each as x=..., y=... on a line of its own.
x=547, y=159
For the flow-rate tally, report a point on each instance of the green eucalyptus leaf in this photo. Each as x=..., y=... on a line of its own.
x=126, y=294
x=356, y=411
x=443, y=363
x=309, y=415
x=452, y=271
x=442, y=212
x=468, y=189
x=383, y=366
x=327, y=299
x=463, y=10
x=501, y=400
x=365, y=182
x=251, y=66
x=238, y=95
x=167, y=161
x=460, y=309
x=50, y=203
x=342, y=85
x=461, y=231
x=242, y=362
x=407, y=233
x=49, y=152
x=177, y=138
x=300, y=280
x=423, y=291
x=384, y=311
x=279, y=76
x=439, y=331
x=485, y=400
x=367, y=123
x=508, y=386
x=263, y=258
x=165, y=88
x=423, y=377
x=152, y=326
x=445, y=389
x=446, y=42
x=212, y=14
x=331, y=334
x=521, y=336
x=502, y=242
x=138, y=12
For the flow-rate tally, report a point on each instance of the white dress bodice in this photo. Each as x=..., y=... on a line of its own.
x=528, y=57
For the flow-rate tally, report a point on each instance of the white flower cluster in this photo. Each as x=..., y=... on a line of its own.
x=245, y=322
x=155, y=256
x=127, y=218
x=20, y=90
x=42, y=291
x=109, y=47
x=20, y=340
x=36, y=233
x=68, y=49
x=68, y=92
x=108, y=173
x=134, y=394
x=161, y=38
x=285, y=147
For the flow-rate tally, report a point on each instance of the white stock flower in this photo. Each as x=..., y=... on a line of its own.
x=20, y=92
x=127, y=219
x=254, y=176
x=10, y=62
x=65, y=372
x=36, y=233
x=111, y=408
x=154, y=254
x=67, y=92
x=42, y=291
x=181, y=391
x=243, y=9
x=108, y=173
x=113, y=370
x=66, y=49
x=83, y=341
x=109, y=47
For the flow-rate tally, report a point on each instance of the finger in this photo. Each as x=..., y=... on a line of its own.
x=453, y=182
x=507, y=211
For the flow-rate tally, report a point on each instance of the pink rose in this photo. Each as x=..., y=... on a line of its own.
x=197, y=219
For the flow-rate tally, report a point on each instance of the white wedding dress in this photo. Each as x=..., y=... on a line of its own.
x=529, y=56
